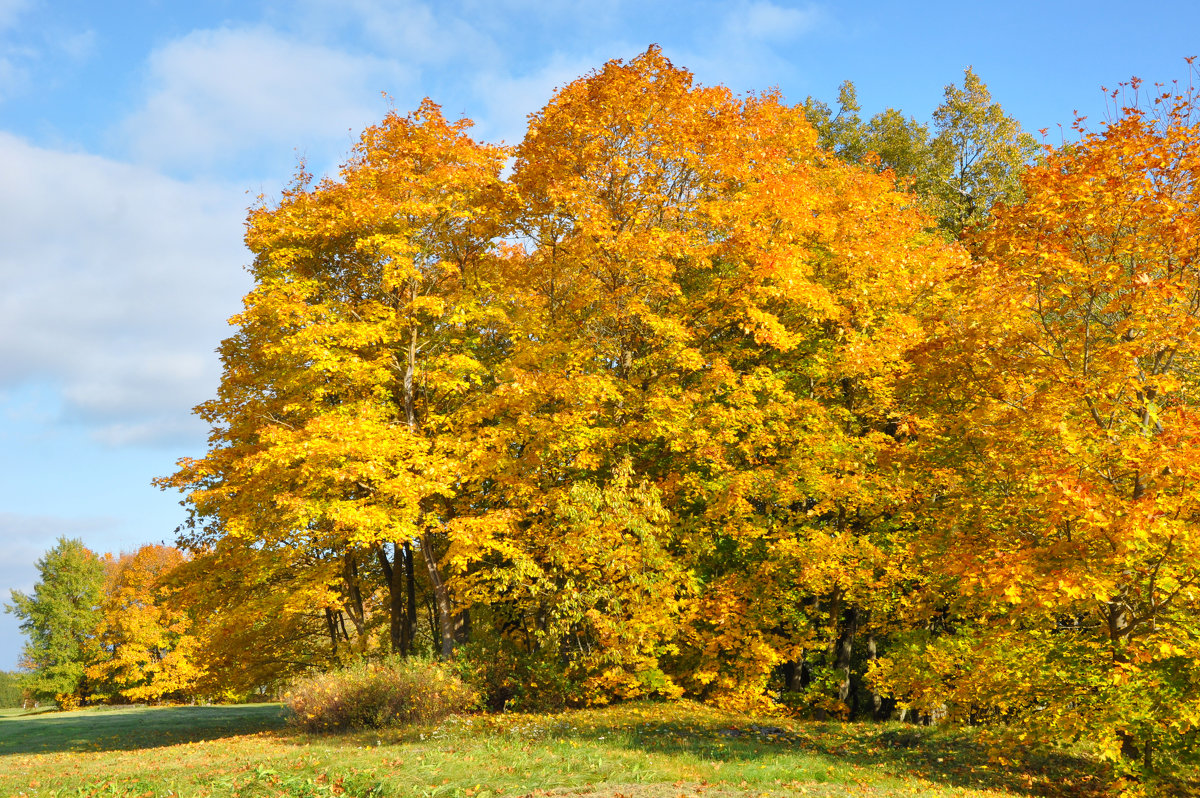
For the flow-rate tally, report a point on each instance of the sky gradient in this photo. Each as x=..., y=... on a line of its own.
x=134, y=135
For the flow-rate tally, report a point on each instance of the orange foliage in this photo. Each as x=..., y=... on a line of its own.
x=1067, y=454
x=148, y=649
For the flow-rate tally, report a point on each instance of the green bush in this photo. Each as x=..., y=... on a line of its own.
x=509, y=679
x=11, y=692
x=375, y=694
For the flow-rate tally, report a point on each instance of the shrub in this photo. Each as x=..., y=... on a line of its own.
x=375, y=694
x=67, y=702
x=509, y=679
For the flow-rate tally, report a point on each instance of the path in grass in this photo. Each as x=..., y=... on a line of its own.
x=636, y=751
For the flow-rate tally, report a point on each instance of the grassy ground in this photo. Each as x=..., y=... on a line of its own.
x=634, y=751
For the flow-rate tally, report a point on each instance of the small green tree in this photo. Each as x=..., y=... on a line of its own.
x=972, y=158
x=978, y=155
x=60, y=621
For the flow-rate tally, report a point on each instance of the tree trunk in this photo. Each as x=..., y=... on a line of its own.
x=845, y=649
x=441, y=598
x=791, y=677
x=354, y=600
x=877, y=703
x=331, y=625
x=393, y=574
x=410, y=619
x=1119, y=629
x=410, y=368
x=462, y=627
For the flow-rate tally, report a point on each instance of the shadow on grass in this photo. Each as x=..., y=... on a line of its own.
x=132, y=728
x=950, y=756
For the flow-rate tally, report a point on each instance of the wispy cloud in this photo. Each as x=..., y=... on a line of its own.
x=767, y=21
x=418, y=33
x=508, y=99
x=11, y=10
x=78, y=46
x=14, y=75
x=218, y=94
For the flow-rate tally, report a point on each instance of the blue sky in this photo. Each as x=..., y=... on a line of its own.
x=134, y=134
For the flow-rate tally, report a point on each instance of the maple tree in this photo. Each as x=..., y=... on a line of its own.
x=262, y=615
x=1064, y=462
x=364, y=331
x=714, y=306
x=699, y=400
x=147, y=651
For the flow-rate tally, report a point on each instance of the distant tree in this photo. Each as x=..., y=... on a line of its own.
x=60, y=620
x=843, y=132
x=146, y=649
x=978, y=155
x=972, y=158
x=10, y=689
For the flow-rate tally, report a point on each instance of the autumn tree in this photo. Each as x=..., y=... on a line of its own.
x=147, y=649
x=711, y=304
x=261, y=615
x=367, y=327
x=1064, y=467
x=59, y=620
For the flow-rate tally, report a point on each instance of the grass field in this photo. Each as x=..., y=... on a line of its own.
x=632, y=751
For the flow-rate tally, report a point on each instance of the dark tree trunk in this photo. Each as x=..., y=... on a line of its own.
x=441, y=598
x=393, y=574
x=462, y=627
x=332, y=627
x=791, y=677
x=844, y=652
x=410, y=619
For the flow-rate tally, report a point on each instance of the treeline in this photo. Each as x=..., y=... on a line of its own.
x=693, y=394
x=11, y=694
x=107, y=629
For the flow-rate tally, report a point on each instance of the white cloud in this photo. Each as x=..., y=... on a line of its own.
x=10, y=10
x=115, y=284
x=218, y=94
x=415, y=32
x=509, y=99
x=766, y=21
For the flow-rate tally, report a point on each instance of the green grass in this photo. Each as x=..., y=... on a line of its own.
x=635, y=751
x=131, y=728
